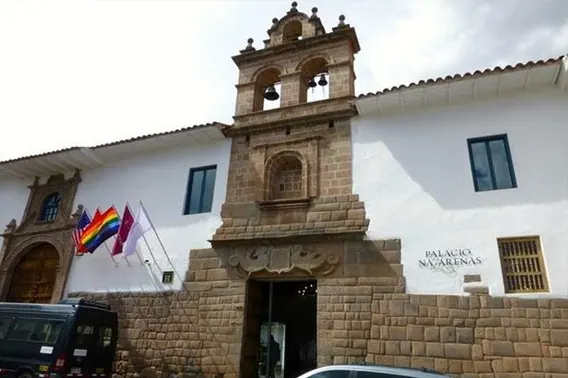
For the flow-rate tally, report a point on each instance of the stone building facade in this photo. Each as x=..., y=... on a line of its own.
x=291, y=215
x=291, y=218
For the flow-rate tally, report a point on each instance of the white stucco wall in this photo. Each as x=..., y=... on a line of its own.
x=413, y=173
x=160, y=181
x=13, y=199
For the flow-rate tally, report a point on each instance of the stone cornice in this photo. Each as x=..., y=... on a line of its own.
x=273, y=52
x=310, y=113
x=287, y=239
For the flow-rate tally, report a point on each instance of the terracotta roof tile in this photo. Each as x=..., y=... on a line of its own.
x=457, y=77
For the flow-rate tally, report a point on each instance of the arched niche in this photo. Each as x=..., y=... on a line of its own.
x=292, y=31
x=293, y=26
x=286, y=176
x=263, y=79
x=34, y=274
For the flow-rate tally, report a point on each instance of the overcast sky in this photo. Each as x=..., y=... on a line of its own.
x=84, y=72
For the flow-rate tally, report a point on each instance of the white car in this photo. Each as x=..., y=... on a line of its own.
x=370, y=371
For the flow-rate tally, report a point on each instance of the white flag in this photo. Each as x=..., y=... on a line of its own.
x=139, y=227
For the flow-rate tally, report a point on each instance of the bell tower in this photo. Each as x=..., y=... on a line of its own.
x=297, y=55
x=290, y=209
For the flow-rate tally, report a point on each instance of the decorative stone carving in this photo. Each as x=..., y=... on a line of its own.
x=19, y=239
x=11, y=227
x=282, y=259
x=305, y=149
x=77, y=212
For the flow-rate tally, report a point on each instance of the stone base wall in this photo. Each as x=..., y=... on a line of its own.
x=200, y=325
x=362, y=319
x=470, y=336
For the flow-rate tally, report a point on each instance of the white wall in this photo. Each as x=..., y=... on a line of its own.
x=160, y=181
x=13, y=199
x=413, y=173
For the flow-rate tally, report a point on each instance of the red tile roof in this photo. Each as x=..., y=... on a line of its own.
x=457, y=77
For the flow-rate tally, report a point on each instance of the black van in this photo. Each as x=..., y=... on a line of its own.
x=73, y=338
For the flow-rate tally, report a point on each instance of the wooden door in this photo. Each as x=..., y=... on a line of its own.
x=33, y=279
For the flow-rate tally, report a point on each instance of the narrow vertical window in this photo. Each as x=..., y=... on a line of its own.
x=491, y=163
x=50, y=207
x=200, y=188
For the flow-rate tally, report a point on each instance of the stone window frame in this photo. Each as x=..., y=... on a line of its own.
x=307, y=148
x=42, y=218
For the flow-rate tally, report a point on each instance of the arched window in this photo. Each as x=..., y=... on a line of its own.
x=315, y=80
x=49, y=207
x=267, y=88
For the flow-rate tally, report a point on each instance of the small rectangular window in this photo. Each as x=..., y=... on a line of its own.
x=36, y=330
x=522, y=265
x=491, y=163
x=200, y=188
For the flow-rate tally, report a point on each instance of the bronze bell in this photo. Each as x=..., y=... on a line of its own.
x=312, y=83
x=270, y=93
x=322, y=81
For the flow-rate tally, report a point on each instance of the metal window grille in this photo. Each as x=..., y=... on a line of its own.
x=523, y=265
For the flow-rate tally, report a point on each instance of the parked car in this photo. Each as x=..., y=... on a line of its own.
x=370, y=371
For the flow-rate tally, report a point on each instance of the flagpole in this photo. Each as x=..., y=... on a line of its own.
x=160, y=287
x=108, y=249
x=161, y=244
x=117, y=236
x=146, y=242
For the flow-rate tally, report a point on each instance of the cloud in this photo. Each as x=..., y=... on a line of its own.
x=441, y=37
x=80, y=72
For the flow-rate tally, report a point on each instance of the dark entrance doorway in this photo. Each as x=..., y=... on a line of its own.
x=289, y=310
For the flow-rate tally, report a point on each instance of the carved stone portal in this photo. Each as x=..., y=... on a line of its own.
x=281, y=259
x=33, y=232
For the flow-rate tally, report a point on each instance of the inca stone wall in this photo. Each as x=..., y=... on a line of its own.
x=359, y=319
x=473, y=336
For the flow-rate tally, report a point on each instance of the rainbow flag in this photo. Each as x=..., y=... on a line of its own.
x=102, y=227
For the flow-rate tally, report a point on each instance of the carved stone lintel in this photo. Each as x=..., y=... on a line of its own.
x=281, y=260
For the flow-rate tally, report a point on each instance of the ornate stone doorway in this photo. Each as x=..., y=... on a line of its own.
x=280, y=338
x=34, y=277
